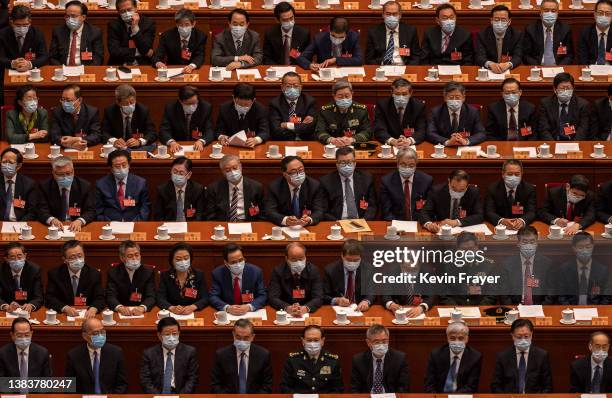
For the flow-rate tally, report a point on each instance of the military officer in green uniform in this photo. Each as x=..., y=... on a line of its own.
x=345, y=121
x=312, y=370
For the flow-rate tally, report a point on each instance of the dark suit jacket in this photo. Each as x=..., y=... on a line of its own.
x=118, y=41
x=107, y=203
x=169, y=49
x=513, y=280
x=273, y=51
x=119, y=288
x=256, y=120
x=278, y=111
x=460, y=41
x=34, y=42
x=141, y=123
x=331, y=195
x=533, y=43
x=581, y=376
x=437, y=207
x=393, y=200
x=604, y=202
x=185, y=370
x=377, y=44
x=278, y=200
x=387, y=124
x=439, y=127
x=321, y=46
x=601, y=118
x=113, y=373
x=224, y=375
x=333, y=285
x=164, y=207
x=512, y=46
x=424, y=293
x=468, y=374
x=578, y=116
x=17, y=133
x=498, y=207
x=224, y=50
x=59, y=288
x=88, y=122
x=24, y=188
x=497, y=121
x=567, y=284
x=589, y=43
x=91, y=40
x=170, y=295
x=81, y=194
x=29, y=282
x=222, y=291
x=173, y=125
x=38, y=361
x=538, y=378
x=555, y=206
x=396, y=377
x=217, y=201
x=281, y=287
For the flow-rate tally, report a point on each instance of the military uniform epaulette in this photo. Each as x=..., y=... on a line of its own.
x=358, y=105
x=294, y=354
x=333, y=356
x=326, y=107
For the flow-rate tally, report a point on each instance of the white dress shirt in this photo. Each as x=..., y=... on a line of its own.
x=397, y=59
x=91, y=355
x=77, y=57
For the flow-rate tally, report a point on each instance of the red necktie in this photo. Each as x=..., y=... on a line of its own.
x=73, y=43
x=350, y=287
x=121, y=194
x=570, y=212
x=527, y=289
x=407, y=203
x=237, y=292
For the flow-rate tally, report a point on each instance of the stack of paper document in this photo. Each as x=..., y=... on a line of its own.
x=261, y=313
x=562, y=148
x=19, y=147
x=533, y=153
x=351, y=70
x=474, y=148
x=351, y=310
x=449, y=70
x=128, y=76
x=393, y=70
x=121, y=227
x=182, y=317
x=530, y=311
x=478, y=228
x=9, y=227
x=184, y=148
x=600, y=70
x=81, y=314
x=13, y=72
x=405, y=226
x=468, y=312
x=237, y=228
x=294, y=233
x=176, y=227
x=496, y=76
x=239, y=139
x=585, y=314
x=552, y=72
x=73, y=70
x=226, y=74
x=281, y=70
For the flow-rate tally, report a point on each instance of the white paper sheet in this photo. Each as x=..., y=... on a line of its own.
x=405, y=226
x=122, y=227
x=496, y=76
x=468, y=312
x=281, y=70
x=333, y=2
x=182, y=317
x=238, y=139
x=261, y=313
x=13, y=72
x=176, y=227
x=385, y=395
x=297, y=319
x=449, y=70
x=121, y=316
x=351, y=310
x=561, y=148
x=552, y=72
x=293, y=150
x=350, y=70
x=9, y=227
x=393, y=70
x=585, y=314
x=251, y=71
x=461, y=395
x=73, y=70
x=298, y=396
x=128, y=76
x=237, y=228
x=66, y=233
x=478, y=228
x=533, y=153
x=396, y=149
x=454, y=231
x=530, y=311
x=174, y=72
x=229, y=3
x=294, y=233
x=184, y=148
x=600, y=70
x=593, y=395
x=81, y=314
x=19, y=147
x=202, y=3
x=227, y=74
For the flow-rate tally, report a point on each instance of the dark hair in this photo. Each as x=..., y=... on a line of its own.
x=178, y=247
x=119, y=2
x=187, y=92
x=15, y=151
x=339, y=25
x=562, y=78
x=184, y=161
x=599, y=332
x=71, y=244
x=13, y=245
x=459, y=175
x=392, y=2
x=581, y=236
x=580, y=182
x=288, y=159
x=75, y=88
x=184, y=13
x=127, y=244
x=465, y=237
x=229, y=249
x=501, y=7
x=313, y=327
x=167, y=322
x=512, y=162
x=510, y=80
x=239, y=11
x=20, y=12
x=608, y=2
x=281, y=8
x=526, y=230
x=17, y=321
x=244, y=91
x=244, y=323
x=294, y=244
x=20, y=93
x=77, y=3
x=401, y=82
x=352, y=247
x=116, y=154
x=521, y=322
x=345, y=150
x=445, y=6
x=290, y=74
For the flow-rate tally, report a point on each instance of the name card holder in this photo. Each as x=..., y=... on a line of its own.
x=599, y=321
x=373, y=320
x=248, y=236
x=574, y=155
x=431, y=321
x=303, y=76
x=191, y=236
x=246, y=154
x=19, y=79
x=304, y=154
x=82, y=236
x=299, y=5
x=247, y=78
x=487, y=321
x=456, y=4
x=140, y=78
x=244, y=5
x=405, y=5
x=85, y=155
x=351, y=5
x=355, y=78
x=543, y=321
x=411, y=77
x=362, y=155
x=9, y=237
x=138, y=236
x=521, y=154
x=191, y=5
x=142, y=5
x=139, y=154
x=469, y=155
x=191, y=77
x=92, y=6
x=87, y=78
x=460, y=78
x=313, y=320
x=192, y=155
x=420, y=154
x=308, y=237
x=364, y=235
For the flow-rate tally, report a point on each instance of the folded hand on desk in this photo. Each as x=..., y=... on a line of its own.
x=180, y=310
x=238, y=309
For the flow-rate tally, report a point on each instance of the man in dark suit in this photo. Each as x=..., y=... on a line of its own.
x=592, y=374
x=66, y=198
x=189, y=118
x=20, y=284
x=21, y=358
x=601, y=117
x=456, y=204
x=403, y=192
x=181, y=198
x=183, y=45
x=380, y=369
x=563, y=115
x=20, y=196
x=604, y=203
x=292, y=114
x=295, y=285
x=170, y=367
x=284, y=42
x=510, y=118
x=237, y=286
x=74, y=285
x=244, y=367
x=127, y=124
x=338, y=46
x=130, y=286
x=454, y=367
x=293, y=199
x=595, y=44
x=75, y=124
x=22, y=46
x=99, y=368
x=130, y=36
x=417, y=298
x=511, y=201
x=499, y=46
x=237, y=46
x=447, y=43
x=243, y=113
x=235, y=197
x=347, y=193
x=76, y=42
x=122, y=196
x=548, y=42
x=571, y=202
x=455, y=123
x=400, y=120
x=392, y=42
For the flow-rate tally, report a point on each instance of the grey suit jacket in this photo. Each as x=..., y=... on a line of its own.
x=224, y=50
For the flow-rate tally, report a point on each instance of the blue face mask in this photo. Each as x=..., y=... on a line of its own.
x=238, y=31
x=456, y=347
x=454, y=105
x=128, y=109
x=400, y=101
x=68, y=106
x=121, y=173
x=391, y=21
x=448, y=26
x=182, y=265
x=512, y=181
x=500, y=27
x=77, y=263
x=64, y=181
x=565, y=96
x=30, y=106
x=21, y=31
x=549, y=18
x=528, y=249
x=522, y=344
x=346, y=170
x=511, y=100
x=170, y=342
x=23, y=342
x=9, y=169
x=16, y=265
x=344, y=103
x=292, y=93
x=98, y=340
x=184, y=31
x=73, y=23
x=179, y=180
x=287, y=26
x=602, y=21
x=242, y=110
x=242, y=345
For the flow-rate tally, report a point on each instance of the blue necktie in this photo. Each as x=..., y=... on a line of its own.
x=522, y=370
x=596, y=382
x=168, y=372
x=549, y=55
x=65, y=214
x=388, y=58
x=295, y=202
x=450, y=377
x=96, y=372
x=8, y=200
x=242, y=375
x=601, y=50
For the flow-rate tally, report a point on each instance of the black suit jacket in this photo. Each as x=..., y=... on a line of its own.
x=437, y=207
x=24, y=188
x=91, y=40
x=512, y=46
x=393, y=200
x=173, y=125
x=38, y=361
x=512, y=285
x=396, y=377
x=424, y=293
x=118, y=41
x=468, y=374
x=601, y=118
x=119, y=288
x=333, y=286
x=164, y=208
x=387, y=124
x=82, y=194
x=377, y=44
x=278, y=111
x=185, y=370
x=34, y=43
x=567, y=284
x=87, y=123
x=29, y=281
x=498, y=207
x=578, y=116
x=217, y=202
x=589, y=43
x=604, y=202
x=282, y=284
x=59, y=288
x=555, y=206
x=113, y=374
x=538, y=378
x=224, y=375
x=439, y=127
x=278, y=200
x=256, y=120
x=581, y=376
x=331, y=195
x=533, y=43
x=273, y=51
x=169, y=48
x=169, y=294
x=141, y=123
x=460, y=41
x=497, y=121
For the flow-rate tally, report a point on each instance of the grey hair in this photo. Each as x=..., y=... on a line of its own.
x=458, y=327
x=408, y=153
x=184, y=13
x=124, y=91
x=228, y=158
x=340, y=84
x=61, y=161
x=375, y=329
x=452, y=86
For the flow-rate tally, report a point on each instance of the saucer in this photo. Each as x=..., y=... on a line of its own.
x=102, y=155
x=59, y=79
x=53, y=157
x=219, y=156
x=433, y=155
x=265, y=7
x=319, y=7
x=47, y=237
x=371, y=7
x=57, y=322
x=329, y=156
x=40, y=79
x=582, y=79
x=106, y=79
x=329, y=237
x=380, y=80
x=281, y=238
x=157, y=79
x=219, y=7
x=605, y=235
x=529, y=7
x=573, y=321
x=214, y=238
x=557, y=238
x=157, y=237
x=496, y=156
x=109, y=323
x=216, y=322
x=274, y=157
x=480, y=79
x=550, y=155
x=497, y=237
x=164, y=7
x=381, y=156
x=598, y=156
x=431, y=79
x=335, y=322
x=101, y=237
x=32, y=237
x=507, y=322
x=166, y=156
x=326, y=80
x=471, y=7
x=30, y=157
x=445, y=237
x=573, y=7
x=531, y=79
x=396, y=322
x=215, y=80
x=393, y=237
x=281, y=324
x=271, y=80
